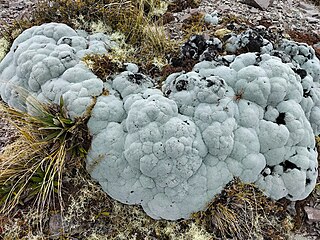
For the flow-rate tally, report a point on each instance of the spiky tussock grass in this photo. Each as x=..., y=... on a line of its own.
x=242, y=211
x=32, y=167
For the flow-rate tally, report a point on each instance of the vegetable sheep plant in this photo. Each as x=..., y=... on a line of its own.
x=252, y=116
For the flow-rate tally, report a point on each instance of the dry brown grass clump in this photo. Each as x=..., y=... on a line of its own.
x=101, y=65
x=241, y=211
x=195, y=24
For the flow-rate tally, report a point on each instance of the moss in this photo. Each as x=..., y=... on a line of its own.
x=160, y=9
x=100, y=27
x=232, y=19
x=221, y=33
x=196, y=232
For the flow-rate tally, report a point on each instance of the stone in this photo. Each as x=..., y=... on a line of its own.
x=312, y=13
x=55, y=226
x=312, y=20
x=316, y=47
x=223, y=7
x=261, y=4
x=313, y=214
x=306, y=6
x=254, y=10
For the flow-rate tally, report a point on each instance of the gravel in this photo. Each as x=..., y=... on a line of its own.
x=11, y=10
x=285, y=14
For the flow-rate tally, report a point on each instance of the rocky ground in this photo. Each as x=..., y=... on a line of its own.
x=10, y=11
x=6, y=133
x=299, y=20
x=284, y=14
x=14, y=10
x=294, y=18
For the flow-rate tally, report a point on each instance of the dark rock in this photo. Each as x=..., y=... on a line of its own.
x=194, y=47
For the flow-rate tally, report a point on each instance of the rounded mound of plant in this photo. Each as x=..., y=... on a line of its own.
x=249, y=115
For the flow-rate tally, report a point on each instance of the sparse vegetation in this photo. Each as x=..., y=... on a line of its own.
x=240, y=211
x=140, y=21
x=194, y=24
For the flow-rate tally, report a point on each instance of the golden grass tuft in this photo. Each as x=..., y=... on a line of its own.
x=32, y=167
